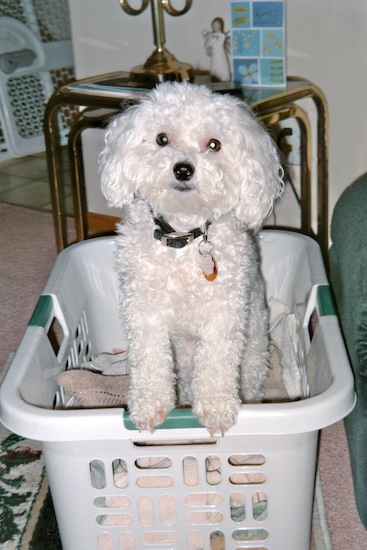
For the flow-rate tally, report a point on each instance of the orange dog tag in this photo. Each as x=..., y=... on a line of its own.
x=208, y=267
x=213, y=275
x=206, y=260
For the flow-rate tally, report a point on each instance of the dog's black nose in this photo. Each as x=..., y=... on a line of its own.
x=183, y=171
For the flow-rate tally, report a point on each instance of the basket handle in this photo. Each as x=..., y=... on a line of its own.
x=48, y=315
x=320, y=304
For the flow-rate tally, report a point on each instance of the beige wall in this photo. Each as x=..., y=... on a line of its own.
x=326, y=44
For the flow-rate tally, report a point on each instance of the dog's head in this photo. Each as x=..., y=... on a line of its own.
x=189, y=151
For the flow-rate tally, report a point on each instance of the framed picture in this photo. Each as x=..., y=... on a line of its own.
x=258, y=43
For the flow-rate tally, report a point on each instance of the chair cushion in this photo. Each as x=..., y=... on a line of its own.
x=348, y=277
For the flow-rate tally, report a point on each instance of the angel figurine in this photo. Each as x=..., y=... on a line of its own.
x=217, y=46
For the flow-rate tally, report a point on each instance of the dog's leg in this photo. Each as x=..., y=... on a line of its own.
x=185, y=350
x=255, y=363
x=216, y=374
x=152, y=388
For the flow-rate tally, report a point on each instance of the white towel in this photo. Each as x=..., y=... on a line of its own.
x=283, y=333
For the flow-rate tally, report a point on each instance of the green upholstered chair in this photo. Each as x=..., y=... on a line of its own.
x=348, y=276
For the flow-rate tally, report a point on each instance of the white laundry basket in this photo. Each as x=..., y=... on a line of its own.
x=114, y=487
x=35, y=58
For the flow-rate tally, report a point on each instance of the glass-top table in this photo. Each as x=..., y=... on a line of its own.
x=113, y=92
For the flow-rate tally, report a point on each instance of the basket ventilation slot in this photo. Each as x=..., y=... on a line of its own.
x=157, y=507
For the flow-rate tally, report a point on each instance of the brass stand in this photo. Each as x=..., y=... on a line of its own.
x=161, y=65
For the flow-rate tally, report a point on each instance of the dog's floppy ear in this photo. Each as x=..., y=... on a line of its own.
x=116, y=186
x=261, y=172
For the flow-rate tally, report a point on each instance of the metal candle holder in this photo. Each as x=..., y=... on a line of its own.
x=161, y=65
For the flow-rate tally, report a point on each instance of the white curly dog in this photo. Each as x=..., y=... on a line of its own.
x=196, y=175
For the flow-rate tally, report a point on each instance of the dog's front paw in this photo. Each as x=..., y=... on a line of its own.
x=218, y=417
x=148, y=422
x=147, y=415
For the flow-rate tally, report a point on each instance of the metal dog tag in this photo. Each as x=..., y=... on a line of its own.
x=206, y=260
x=208, y=266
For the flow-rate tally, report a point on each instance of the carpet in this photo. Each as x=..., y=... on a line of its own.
x=28, y=520
x=28, y=250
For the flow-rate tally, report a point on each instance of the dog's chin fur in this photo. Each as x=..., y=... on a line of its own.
x=218, y=328
x=185, y=209
x=185, y=204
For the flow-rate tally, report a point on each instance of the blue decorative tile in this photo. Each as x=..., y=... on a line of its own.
x=258, y=43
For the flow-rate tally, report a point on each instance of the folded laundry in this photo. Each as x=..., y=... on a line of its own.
x=104, y=381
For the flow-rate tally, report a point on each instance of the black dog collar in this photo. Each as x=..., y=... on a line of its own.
x=175, y=239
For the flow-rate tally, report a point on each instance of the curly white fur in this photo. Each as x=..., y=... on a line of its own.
x=211, y=337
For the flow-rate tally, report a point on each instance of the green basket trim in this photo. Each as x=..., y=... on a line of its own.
x=177, y=419
x=325, y=301
x=42, y=312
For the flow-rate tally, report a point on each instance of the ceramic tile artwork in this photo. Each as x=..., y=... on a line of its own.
x=258, y=43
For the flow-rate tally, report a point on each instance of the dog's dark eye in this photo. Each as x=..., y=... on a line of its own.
x=162, y=139
x=214, y=145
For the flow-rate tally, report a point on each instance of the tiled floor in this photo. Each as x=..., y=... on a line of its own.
x=24, y=181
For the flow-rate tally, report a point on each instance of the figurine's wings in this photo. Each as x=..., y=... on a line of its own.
x=207, y=43
x=227, y=43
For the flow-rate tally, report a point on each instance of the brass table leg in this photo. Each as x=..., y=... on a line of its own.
x=88, y=119
x=305, y=91
x=295, y=112
x=51, y=133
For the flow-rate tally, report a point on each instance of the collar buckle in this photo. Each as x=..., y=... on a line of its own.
x=177, y=239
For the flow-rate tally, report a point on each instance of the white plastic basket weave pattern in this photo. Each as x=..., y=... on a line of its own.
x=35, y=59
